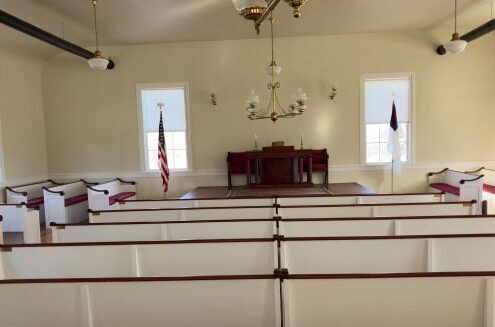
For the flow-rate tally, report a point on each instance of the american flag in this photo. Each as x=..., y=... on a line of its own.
x=162, y=153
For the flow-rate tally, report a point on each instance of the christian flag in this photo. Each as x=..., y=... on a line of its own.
x=393, y=138
x=162, y=156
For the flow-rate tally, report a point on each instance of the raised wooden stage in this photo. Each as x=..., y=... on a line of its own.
x=243, y=191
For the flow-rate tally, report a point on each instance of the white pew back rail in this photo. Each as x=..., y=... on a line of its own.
x=18, y=218
x=219, y=213
x=241, y=301
x=67, y=203
x=164, y=231
x=265, y=228
x=427, y=299
x=287, y=200
x=388, y=254
x=379, y=210
x=138, y=259
x=107, y=195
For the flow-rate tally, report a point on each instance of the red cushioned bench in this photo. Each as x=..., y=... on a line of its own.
x=35, y=203
x=121, y=197
x=75, y=200
x=443, y=187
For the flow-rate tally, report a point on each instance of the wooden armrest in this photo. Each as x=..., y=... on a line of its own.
x=106, y=192
x=16, y=192
x=438, y=172
x=55, y=183
x=61, y=193
x=126, y=182
x=475, y=171
x=88, y=183
x=472, y=180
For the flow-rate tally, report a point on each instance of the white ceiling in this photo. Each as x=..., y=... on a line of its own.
x=157, y=21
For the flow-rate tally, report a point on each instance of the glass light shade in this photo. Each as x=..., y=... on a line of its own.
x=300, y=97
x=98, y=62
x=274, y=70
x=253, y=98
x=456, y=46
x=246, y=4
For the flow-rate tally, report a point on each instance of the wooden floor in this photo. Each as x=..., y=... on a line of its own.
x=242, y=191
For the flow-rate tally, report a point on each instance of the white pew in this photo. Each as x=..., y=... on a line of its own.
x=387, y=226
x=268, y=201
x=380, y=210
x=451, y=300
x=162, y=231
x=19, y=218
x=361, y=199
x=158, y=302
x=66, y=203
x=31, y=194
x=374, y=255
x=110, y=216
x=458, y=186
x=107, y=195
x=242, y=257
x=197, y=203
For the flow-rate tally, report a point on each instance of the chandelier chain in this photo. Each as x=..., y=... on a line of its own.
x=96, y=26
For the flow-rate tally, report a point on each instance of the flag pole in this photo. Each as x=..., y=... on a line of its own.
x=392, y=172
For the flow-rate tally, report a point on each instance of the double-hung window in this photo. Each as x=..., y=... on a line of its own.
x=175, y=122
x=378, y=93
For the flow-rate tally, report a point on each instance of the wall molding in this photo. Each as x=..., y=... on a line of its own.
x=223, y=173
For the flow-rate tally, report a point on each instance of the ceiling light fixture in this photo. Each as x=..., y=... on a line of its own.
x=456, y=45
x=274, y=110
x=259, y=10
x=98, y=62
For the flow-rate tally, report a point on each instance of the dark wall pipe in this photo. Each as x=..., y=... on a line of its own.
x=29, y=29
x=473, y=35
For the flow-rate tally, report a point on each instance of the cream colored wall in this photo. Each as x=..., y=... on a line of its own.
x=92, y=124
x=22, y=118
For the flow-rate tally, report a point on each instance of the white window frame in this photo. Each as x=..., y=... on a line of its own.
x=411, y=155
x=142, y=137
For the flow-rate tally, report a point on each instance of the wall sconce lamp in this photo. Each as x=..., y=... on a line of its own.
x=213, y=98
x=333, y=92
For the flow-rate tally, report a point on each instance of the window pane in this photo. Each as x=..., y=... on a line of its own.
x=180, y=140
x=152, y=140
x=169, y=140
x=384, y=154
x=180, y=159
x=373, y=153
x=403, y=131
x=153, y=159
x=372, y=133
x=403, y=151
x=384, y=132
x=380, y=94
x=170, y=159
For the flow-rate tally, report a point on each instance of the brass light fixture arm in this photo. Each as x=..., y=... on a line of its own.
x=271, y=6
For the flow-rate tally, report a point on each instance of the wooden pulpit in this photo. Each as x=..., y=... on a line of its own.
x=278, y=166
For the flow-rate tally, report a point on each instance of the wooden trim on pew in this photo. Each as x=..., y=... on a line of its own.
x=106, y=192
x=125, y=182
x=56, y=225
x=365, y=238
x=136, y=279
x=42, y=182
x=386, y=218
x=377, y=204
x=61, y=193
x=285, y=197
x=438, y=172
x=186, y=208
x=393, y=275
x=62, y=226
x=479, y=170
x=8, y=247
x=463, y=181
x=8, y=188
x=249, y=277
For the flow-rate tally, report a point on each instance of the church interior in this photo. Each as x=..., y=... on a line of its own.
x=261, y=163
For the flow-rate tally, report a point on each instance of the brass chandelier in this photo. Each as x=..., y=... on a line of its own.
x=274, y=110
x=259, y=10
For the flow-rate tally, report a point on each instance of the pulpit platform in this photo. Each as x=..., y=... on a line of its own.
x=215, y=192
